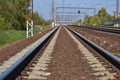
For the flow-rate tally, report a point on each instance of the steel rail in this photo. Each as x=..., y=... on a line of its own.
x=111, y=30
x=113, y=60
x=15, y=70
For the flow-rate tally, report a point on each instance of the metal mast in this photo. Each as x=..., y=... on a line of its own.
x=53, y=22
x=117, y=8
x=29, y=18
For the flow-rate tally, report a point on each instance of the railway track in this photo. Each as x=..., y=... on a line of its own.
x=32, y=65
x=105, y=29
x=12, y=68
x=112, y=60
x=104, y=53
x=37, y=68
x=100, y=68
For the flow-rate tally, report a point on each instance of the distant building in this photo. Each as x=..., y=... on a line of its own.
x=114, y=23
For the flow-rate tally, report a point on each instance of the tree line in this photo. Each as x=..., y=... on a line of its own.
x=99, y=18
x=13, y=15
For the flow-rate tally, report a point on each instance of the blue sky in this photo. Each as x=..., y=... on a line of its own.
x=43, y=7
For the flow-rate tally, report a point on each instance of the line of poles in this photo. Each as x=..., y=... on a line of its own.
x=29, y=15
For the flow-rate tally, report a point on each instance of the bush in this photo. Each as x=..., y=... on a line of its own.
x=3, y=37
x=4, y=25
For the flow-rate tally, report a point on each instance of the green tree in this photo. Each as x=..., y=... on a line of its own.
x=13, y=12
x=94, y=20
x=6, y=11
x=105, y=15
x=3, y=25
x=38, y=20
x=91, y=20
x=20, y=14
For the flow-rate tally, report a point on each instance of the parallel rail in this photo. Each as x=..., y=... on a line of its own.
x=111, y=30
x=109, y=57
x=105, y=29
x=15, y=70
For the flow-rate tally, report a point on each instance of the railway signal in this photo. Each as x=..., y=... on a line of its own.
x=78, y=11
x=79, y=18
x=29, y=18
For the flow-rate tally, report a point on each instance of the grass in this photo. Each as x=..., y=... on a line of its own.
x=46, y=27
x=43, y=27
x=7, y=37
x=10, y=36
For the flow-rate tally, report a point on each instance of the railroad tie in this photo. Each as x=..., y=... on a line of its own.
x=39, y=69
x=99, y=70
